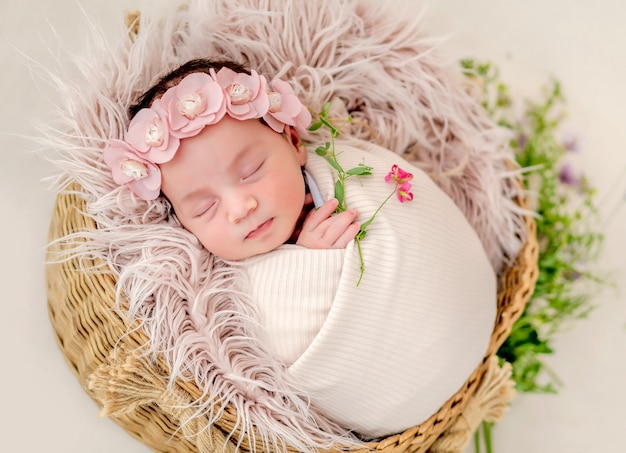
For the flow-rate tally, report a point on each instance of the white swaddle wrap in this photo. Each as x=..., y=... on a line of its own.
x=383, y=356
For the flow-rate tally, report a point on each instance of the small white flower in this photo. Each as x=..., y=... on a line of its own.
x=134, y=169
x=276, y=101
x=191, y=105
x=239, y=94
x=154, y=133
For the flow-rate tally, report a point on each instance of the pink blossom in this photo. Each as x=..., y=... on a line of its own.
x=195, y=102
x=403, y=192
x=398, y=175
x=245, y=93
x=401, y=179
x=127, y=167
x=286, y=108
x=148, y=133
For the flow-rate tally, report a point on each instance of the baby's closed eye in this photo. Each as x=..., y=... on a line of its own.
x=205, y=209
x=252, y=170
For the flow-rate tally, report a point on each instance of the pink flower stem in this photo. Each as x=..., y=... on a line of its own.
x=362, y=231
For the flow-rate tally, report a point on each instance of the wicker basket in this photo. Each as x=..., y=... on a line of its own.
x=104, y=351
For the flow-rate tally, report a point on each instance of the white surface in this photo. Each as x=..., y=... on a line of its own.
x=579, y=42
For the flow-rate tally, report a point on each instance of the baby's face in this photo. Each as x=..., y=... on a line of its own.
x=237, y=186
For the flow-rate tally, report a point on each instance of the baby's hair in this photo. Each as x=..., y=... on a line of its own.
x=175, y=76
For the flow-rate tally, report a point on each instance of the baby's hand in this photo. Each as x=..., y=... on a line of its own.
x=323, y=230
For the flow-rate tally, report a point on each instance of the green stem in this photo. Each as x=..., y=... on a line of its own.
x=341, y=174
x=477, y=441
x=487, y=435
x=371, y=219
x=358, y=246
x=361, y=234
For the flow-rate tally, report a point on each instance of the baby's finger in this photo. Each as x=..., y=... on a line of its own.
x=347, y=236
x=338, y=224
x=317, y=216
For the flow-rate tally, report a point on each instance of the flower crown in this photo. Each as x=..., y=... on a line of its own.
x=200, y=99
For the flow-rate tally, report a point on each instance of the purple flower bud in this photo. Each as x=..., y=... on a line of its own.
x=522, y=139
x=568, y=176
x=571, y=142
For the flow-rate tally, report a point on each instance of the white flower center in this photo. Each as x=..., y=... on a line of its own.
x=191, y=105
x=134, y=169
x=154, y=133
x=239, y=94
x=275, y=101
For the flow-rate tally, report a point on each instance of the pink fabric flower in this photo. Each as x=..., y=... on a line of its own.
x=403, y=192
x=195, y=102
x=286, y=108
x=141, y=176
x=245, y=94
x=148, y=133
x=398, y=175
x=198, y=100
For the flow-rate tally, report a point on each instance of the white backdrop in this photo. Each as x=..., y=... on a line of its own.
x=579, y=42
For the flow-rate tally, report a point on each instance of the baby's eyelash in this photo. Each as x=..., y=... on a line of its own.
x=205, y=210
x=257, y=168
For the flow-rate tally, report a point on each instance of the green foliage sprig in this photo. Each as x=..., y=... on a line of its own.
x=328, y=151
x=567, y=229
x=397, y=176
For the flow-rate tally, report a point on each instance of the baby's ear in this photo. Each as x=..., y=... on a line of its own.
x=294, y=138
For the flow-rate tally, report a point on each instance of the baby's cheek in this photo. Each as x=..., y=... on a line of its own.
x=198, y=231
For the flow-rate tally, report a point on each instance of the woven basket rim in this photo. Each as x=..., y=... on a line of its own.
x=67, y=288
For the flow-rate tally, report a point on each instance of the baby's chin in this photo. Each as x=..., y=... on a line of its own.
x=250, y=252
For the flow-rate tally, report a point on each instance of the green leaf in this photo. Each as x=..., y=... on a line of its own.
x=361, y=170
x=321, y=151
x=333, y=163
x=315, y=126
x=367, y=223
x=329, y=125
x=340, y=194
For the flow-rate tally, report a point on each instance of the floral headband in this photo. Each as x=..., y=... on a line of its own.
x=200, y=99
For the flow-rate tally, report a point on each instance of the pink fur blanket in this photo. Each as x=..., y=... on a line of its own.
x=379, y=67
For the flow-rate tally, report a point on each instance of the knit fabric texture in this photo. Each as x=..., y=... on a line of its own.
x=385, y=355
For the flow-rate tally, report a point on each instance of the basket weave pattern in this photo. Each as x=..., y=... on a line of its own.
x=105, y=352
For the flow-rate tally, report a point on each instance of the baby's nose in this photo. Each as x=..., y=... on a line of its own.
x=240, y=207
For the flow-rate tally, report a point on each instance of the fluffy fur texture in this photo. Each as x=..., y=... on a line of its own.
x=380, y=68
